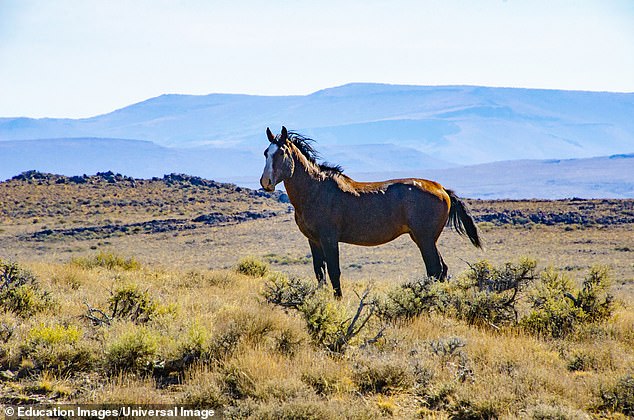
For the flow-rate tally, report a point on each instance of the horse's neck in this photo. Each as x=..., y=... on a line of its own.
x=303, y=185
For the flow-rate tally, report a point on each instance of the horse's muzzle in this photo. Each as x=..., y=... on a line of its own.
x=267, y=184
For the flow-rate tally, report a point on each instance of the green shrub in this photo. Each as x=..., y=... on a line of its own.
x=558, y=309
x=108, y=260
x=25, y=300
x=594, y=298
x=409, y=300
x=252, y=267
x=20, y=292
x=195, y=344
x=468, y=410
x=57, y=334
x=288, y=292
x=325, y=320
x=132, y=351
x=487, y=295
x=620, y=397
x=12, y=275
x=57, y=348
x=128, y=302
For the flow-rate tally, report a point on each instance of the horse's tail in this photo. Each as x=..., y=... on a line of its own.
x=461, y=220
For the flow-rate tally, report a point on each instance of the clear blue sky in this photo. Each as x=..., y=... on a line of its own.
x=77, y=58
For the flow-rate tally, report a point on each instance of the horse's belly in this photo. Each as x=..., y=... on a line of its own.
x=370, y=237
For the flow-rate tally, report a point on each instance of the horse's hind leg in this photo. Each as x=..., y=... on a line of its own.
x=434, y=263
x=331, y=255
x=319, y=263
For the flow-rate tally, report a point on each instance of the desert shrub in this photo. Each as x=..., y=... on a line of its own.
x=195, y=344
x=7, y=328
x=327, y=320
x=557, y=309
x=448, y=347
x=25, y=300
x=236, y=383
x=324, y=318
x=57, y=334
x=20, y=292
x=133, y=350
x=436, y=398
x=57, y=348
x=287, y=292
x=467, y=410
x=252, y=267
x=287, y=259
x=409, y=300
x=581, y=361
x=487, y=295
x=553, y=314
x=208, y=395
x=620, y=397
x=12, y=275
x=450, y=352
x=108, y=260
x=128, y=302
x=594, y=298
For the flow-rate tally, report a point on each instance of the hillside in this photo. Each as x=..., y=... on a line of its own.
x=109, y=204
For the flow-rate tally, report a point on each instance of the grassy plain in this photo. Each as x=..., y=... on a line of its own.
x=195, y=331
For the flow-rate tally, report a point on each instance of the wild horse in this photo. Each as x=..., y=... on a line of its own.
x=331, y=207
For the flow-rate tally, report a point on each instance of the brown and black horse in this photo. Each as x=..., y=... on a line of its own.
x=330, y=207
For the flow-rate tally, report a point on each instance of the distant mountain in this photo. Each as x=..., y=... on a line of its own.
x=140, y=159
x=383, y=130
x=601, y=177
x=457, y=124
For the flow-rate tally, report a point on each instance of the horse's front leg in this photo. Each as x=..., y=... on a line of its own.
x=319, y=263
x=331, y=255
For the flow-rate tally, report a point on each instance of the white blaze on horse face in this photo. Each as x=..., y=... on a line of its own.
x=267, y=175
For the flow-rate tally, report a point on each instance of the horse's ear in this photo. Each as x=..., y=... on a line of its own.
x=283, y=136
x=270, y=135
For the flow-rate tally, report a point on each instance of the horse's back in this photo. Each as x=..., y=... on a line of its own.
x=401, y=187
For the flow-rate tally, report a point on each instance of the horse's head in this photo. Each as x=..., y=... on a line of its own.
x=279, y=161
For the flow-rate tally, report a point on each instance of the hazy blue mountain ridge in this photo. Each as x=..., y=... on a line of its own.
x=367, y=128
x=460, y=124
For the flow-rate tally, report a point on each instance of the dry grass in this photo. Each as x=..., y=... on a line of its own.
x=214, y=342
x=208, y=337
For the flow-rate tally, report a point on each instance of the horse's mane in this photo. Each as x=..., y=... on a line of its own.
x=305, y=146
